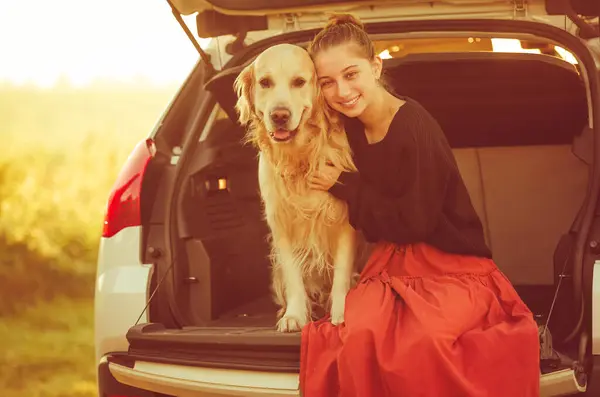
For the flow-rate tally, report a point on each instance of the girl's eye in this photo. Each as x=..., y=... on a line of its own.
x=325, y=84
x=351, y=75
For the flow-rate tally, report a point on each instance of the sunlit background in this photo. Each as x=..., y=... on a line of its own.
x=81, y=42
x=80, y=83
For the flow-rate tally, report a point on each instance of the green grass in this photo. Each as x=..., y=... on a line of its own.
x=62, y=150
x=47, y=350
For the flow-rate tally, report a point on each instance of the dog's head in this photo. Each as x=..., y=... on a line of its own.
x=278, y=95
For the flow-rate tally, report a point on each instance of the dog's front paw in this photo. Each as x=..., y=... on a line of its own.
x=338, y=305
x=291, y=323
x=337, y=319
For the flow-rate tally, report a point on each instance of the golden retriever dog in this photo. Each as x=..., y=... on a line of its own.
x=313, y=244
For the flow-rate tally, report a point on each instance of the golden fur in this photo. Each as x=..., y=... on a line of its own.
x=313, y=244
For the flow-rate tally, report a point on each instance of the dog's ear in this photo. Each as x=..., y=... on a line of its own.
x=331, y=116
x=323, y=115
x=244, y=88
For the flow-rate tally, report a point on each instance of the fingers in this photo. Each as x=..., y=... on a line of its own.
x=324, y=179
x=331, y=173
x=317, y=183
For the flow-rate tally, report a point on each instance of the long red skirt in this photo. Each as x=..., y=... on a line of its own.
x=421, y=322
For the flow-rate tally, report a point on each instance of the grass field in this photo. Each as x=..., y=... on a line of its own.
x=62, y=150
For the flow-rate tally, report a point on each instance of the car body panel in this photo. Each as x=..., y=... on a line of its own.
x=121, y=290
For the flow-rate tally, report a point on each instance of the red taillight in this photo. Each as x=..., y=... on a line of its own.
x=124, y=201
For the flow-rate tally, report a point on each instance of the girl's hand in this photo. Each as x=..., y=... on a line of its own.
x=325, y=178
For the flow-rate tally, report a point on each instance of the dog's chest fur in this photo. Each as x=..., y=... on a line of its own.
x=309, y=219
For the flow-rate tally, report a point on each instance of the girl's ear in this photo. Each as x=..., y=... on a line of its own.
x=377, y=66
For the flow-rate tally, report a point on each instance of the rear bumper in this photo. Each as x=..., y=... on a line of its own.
x=184, y=381
x=109, y=386
x=150, y=379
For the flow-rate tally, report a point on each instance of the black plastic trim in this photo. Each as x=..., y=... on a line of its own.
x=170, y=131
x=173, y=204
x=236, y=337
x=219, y=360
x=262, y=349
x=593, y=377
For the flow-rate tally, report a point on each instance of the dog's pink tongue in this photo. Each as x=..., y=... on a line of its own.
x=281, y=134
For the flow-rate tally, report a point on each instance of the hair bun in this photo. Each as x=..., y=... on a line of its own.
x=343, y=19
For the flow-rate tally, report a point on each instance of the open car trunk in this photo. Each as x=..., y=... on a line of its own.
x=517, y=124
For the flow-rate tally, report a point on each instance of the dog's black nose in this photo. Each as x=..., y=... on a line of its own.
x=280, y=116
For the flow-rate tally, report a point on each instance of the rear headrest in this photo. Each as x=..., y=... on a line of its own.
x=495, y=99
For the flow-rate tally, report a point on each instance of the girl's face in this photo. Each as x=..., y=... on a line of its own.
x=348, y=81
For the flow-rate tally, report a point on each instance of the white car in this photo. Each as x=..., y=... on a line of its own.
x=182, y=302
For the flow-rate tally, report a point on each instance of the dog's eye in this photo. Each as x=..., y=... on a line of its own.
x=298, y=82
x=265, y=83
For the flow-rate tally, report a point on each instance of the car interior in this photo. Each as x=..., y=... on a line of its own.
x=517, y=124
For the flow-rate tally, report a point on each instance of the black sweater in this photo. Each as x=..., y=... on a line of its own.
x=409, y=188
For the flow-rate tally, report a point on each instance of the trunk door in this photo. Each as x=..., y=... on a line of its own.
x=263, y=18
x=275, y=7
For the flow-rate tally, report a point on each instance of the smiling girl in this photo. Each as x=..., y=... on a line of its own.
x=432, y=315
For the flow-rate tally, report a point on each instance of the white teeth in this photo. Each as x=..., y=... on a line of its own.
x=350, y=102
